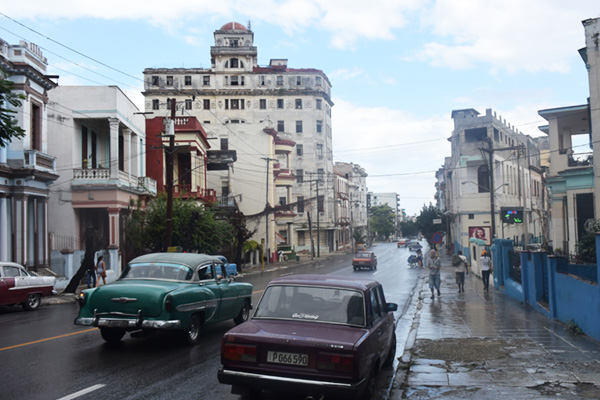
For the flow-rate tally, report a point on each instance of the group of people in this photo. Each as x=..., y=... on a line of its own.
x=461, y=264
x=96, y=272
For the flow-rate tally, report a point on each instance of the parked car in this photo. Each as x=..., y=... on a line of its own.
x=364, y=259
x=415, y=246
x=230, y=268
x=312, y=335
x=18, y=286
x=403, y=242
x=166, y=291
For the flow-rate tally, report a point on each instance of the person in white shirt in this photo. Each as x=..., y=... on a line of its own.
x=486, y=269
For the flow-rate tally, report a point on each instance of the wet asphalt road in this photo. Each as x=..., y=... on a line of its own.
x=45, y=356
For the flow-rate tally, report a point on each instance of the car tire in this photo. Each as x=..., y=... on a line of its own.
x=389, y=360
x=32, y=302
x=244, y=313
x=112, y=335
x=192, y=333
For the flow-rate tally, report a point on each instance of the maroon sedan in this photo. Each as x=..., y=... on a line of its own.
x=17, y=286
x=364, y=259
x=314, y=335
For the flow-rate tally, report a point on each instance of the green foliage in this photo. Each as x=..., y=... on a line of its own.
x=586, y=248
x=425, y=222
x=9, y=126
x=382, y=221
x=572, y=326
x=409, y=228
x=195, y=228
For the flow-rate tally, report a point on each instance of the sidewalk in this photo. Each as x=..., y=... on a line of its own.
x=484, y=345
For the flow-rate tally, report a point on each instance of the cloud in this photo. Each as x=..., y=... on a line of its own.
x=346, y=74
x=506, y=35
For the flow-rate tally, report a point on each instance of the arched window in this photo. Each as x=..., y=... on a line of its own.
x=234, y=63
x=483, y=179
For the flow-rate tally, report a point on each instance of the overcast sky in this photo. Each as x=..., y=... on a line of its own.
x=398, y=67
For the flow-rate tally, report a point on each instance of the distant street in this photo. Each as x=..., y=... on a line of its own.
x=45, y=356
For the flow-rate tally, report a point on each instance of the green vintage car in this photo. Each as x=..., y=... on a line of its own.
x=166, y=291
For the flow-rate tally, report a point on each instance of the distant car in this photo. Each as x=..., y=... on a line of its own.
x=415, y=246
x=166, y=291
x=403, y=242
x=230, y=268
x=17, y=286
x=364, y=259
x=314, y=336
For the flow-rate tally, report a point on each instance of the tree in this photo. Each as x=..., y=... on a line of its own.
x=9, y=126
x=409, y=228
x=382, y=219
x=92, y=242
x=425, y=222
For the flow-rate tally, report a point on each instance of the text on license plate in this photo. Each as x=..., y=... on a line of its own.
x=287, y=358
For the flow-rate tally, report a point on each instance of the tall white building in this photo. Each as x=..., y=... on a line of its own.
x=235, y=100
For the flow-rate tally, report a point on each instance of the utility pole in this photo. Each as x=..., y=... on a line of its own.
x=170, y=151
x=268, y=253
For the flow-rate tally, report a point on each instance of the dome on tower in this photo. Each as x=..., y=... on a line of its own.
x=233, y=26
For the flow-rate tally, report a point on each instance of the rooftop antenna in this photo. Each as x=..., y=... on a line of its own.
x=249, y=25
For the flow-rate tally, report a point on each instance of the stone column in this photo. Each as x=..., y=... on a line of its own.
x=127, y=153
x=4, y=231
x=135, y=156
x=113, y=154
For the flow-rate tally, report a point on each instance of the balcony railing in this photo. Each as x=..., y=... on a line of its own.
x=580, y=160
x=95, y=174
x=36, y=160
x=185, y=191
x=102, y=176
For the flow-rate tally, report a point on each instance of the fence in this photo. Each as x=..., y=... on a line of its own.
x=514, y=265
x=59, y=242
x=586, y=272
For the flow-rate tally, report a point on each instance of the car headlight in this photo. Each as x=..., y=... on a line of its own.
x=81, y=299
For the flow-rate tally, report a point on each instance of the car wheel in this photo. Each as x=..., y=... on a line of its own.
x=32, y=302
x=244, y=313
x=389, y=360
x=192, y=333
x=112, y=335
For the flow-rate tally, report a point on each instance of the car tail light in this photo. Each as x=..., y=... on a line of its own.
x=239, y=352
x=169, y=303
x=335, y=362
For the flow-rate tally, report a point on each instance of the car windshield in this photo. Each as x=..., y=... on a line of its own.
x=158, y=271
x=309, y=303
x=363, y=255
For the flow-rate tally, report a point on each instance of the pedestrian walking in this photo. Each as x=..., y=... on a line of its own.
x=434, y=264
x=460, y=262
x=101, y=270
x=281, y=257
x=486, y=269
x=91, y=276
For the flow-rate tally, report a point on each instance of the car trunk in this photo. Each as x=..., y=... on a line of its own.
x=131, y=296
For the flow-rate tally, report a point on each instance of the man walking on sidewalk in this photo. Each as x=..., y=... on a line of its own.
x=434, y=264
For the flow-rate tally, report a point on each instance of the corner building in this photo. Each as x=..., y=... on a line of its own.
x=235, y=99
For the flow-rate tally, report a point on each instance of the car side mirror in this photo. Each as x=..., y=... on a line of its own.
x=391, y=307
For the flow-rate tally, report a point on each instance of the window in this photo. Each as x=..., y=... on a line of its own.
x=301, y=238
x=234, y=43
x=280, y=103
x=282, y=201
x=299, y=175
x=319, y=126
x=155, y=104
x=279, y=80
x=298, y=126
x=169, y=81
x=235, y=104
x=320, y=172
x=261, y=80
x=319, y=104
x=237, y=81
x=169, y=104
x=188, y=104
x=300, y=202
x=188, y=80
x=318, y=80
x=224, y=144
x=320, y=204
x=299, y=150
x=475, y=134
x=263, y=104
x=376, y=307
x=298, y=104
x=471, y=216
x=206, y=104
x=234, y=63
x=206, y=80
x=155, y=80
x=319, y=150
x=280, y=126
x=298, y=80
x=483, y=179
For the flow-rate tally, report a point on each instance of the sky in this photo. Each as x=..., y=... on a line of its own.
x=397, y=67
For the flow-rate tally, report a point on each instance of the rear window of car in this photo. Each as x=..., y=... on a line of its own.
x=363, y=255
x=310, y=303
x=163, y=271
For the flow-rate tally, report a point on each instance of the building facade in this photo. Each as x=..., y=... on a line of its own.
x=26, y=167
x=352, y=214
x=236, y=96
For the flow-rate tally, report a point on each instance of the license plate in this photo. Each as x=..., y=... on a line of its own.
x=118, y=324
x=287, y=358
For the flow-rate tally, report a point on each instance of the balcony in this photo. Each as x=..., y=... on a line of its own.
x=98, y=177
x=33, y=159
x=196, y=192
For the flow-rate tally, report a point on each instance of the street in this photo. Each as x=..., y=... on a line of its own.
x=45, y=356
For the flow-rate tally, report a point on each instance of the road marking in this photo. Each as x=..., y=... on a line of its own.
x=258, y=291
x=45, y=340
x=82, y=392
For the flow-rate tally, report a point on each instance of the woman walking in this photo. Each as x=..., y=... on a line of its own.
x=101, y=270
x=486, y=269
x=434, y=264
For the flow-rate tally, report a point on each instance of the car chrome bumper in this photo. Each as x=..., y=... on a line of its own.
x=287, y=384
x=129, y=324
